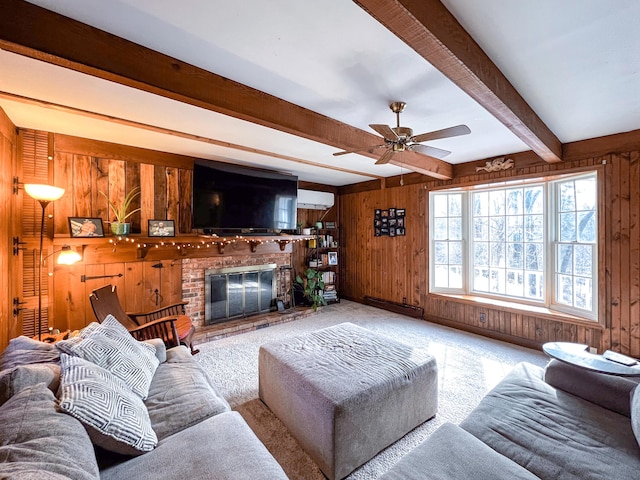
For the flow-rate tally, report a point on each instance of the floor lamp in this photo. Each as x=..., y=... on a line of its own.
x=44, y=194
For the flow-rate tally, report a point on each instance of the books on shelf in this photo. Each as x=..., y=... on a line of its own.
x=329, y=277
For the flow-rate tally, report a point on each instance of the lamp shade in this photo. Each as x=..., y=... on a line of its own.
x=40, y=192
x=68, y=256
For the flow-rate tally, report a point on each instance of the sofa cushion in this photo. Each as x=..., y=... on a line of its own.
x=115, y=417
x=180, y=395
x=111, y=346
x=551, y=433
x=432, y=459
x=25, y=351
x=222, y=447
x=12, y=381
x=38, y=441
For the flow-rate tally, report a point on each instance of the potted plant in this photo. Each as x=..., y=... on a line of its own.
x=313, y=287
x=120, y=211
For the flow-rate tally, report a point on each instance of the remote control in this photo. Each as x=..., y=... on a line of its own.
x=619, y=358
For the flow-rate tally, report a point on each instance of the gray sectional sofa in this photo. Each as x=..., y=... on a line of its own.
x=560, y=423
x=189, y=429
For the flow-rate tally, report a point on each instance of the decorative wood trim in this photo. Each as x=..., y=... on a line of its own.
x=435, y=34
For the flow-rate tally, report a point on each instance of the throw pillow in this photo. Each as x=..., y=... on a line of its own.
x=116, y=419
x=38, y=441
x=111, y=346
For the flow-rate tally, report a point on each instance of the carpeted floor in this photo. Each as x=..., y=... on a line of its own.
x=468, y=367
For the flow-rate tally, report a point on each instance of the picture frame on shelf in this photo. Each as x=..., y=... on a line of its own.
x=162, y=228
x=86, y=227
x=329, y=225
x=332, y=258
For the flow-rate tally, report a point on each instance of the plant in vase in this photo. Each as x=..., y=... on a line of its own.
x=313, y=286
x=120, y=211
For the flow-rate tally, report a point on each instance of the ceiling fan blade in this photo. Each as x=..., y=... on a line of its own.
x=357, y=150
x=431, y=151
x=385, y=131
x=444, y=133
x=386, y=157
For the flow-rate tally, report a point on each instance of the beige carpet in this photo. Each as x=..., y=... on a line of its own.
x=468, y=367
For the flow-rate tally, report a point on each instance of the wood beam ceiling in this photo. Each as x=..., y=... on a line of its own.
x=435, y=34
x=38, y=33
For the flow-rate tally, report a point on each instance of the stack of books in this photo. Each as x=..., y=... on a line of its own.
x=330, y=294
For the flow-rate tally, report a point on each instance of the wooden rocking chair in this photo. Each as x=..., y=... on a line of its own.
x=168, y=323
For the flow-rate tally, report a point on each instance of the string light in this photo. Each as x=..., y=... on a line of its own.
x=217, y=242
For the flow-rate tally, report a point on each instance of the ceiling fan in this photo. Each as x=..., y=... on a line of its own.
x=400, y=139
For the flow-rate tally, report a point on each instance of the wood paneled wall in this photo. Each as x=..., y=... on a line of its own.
x=396, y=269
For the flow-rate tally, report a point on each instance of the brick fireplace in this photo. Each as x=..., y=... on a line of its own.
x=193, y=283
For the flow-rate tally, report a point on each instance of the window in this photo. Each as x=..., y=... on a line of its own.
x=532, y=242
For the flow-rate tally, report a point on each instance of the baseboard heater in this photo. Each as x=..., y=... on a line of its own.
x=395, y=307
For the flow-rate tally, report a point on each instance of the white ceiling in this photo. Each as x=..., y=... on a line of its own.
x=575, y=62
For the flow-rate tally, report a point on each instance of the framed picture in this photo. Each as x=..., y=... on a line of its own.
x=329, y=225
x=162, y=228
x=333, y=258
x=85, y=227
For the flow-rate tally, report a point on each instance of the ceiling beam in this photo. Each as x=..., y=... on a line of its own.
x=435, y=34
x=38, y=33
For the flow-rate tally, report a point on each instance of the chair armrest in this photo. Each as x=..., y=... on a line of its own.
x=164, y=328
x=608, y=391
x=168, y=311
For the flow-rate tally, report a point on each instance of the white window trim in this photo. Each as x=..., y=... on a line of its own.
x=550, y=189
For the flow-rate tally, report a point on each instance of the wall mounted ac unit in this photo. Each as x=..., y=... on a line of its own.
x=314, y=200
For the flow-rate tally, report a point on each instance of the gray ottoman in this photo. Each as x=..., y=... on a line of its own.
x=345, y=392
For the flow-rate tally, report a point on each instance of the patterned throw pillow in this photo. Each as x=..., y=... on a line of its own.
x=115, y=418
x=111, y=346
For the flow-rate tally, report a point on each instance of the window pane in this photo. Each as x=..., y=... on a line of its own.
x=586, y=194
x=481, y=254
x=455, y=253
x=586, y=227
x=567, y=227
x=534, y=257
x=439, y=230
x=455, y=277
x=441, y=276
x=534, y=200
x=440, y=205
x=441, y=253
x=455, y=228
x=455, y=205
x=497, y=231
x=583, y=260
x=514, y=202
x=497, y=280
x=565, y=290
x=535, y=286
x=565, y=259
x=481, y=204
x=515, y=228
x=515, y=283
x=567, y=197
x=481, y=279
x=515, y=255
x=496, y=202
x=534, y=228
x=582, y=289
x=481, y=229
x=497, y=254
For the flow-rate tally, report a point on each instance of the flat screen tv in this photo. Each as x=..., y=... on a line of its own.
x=232, y=199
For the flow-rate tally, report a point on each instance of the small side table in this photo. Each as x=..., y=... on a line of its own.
x=577, y=354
